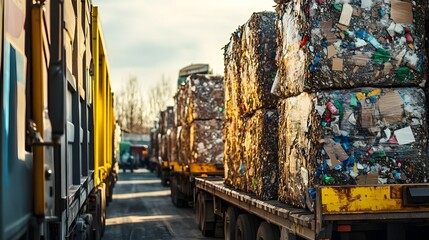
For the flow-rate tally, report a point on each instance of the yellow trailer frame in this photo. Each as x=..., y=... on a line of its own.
x=103, y=104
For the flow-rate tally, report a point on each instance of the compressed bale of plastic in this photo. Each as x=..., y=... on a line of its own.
x=362, y=136
x=346, y=44
x=257, y=63
x=159, y=145
x=181, y=106
x=169, y=118
x=173, y=145
x=161, y=117
x=184, y=152
x=232, y=55
x=206, y=141
x=205, y=97
x=164, y=147
x=233, y=133
x=260, y=158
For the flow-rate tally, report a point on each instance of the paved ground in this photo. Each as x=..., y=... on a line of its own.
x=142, y=209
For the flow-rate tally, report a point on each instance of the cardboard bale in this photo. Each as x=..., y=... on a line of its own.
x=205, y=97
x=232, y=55
x=348, y=44
x=233, y=133
x=206, y=141
x=260, y=158
x=257, y=63
x=351, y=137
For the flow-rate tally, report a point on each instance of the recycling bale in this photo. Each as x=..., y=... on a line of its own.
x=205, y=97
x=206, y=141
x=184, y=152
x=232, y=55
x=180, y=106
x=362, y=136
x=260, y=159
x=258, y=62
x=173, y=142
x=332, y=44
x=233, y=153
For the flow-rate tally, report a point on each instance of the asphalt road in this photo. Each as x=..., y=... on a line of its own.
x=142, y=209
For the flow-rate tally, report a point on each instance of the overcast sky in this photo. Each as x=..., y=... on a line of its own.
x=151, y=38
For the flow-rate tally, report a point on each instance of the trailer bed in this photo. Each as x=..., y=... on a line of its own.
x=296, y=220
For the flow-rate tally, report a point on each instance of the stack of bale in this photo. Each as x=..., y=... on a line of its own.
x=201, y=112
x=233, y=128
x=182, y=129
x=352, y=112
x=252, y=119
x=166, y=125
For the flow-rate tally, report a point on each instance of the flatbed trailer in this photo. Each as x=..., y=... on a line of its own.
x=182, y=180
x=346, y=212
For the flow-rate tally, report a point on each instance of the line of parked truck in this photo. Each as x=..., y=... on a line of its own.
x=317, y=130
x=57, y=123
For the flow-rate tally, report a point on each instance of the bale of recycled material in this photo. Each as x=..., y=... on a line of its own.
x=164, y=147
x=206, y=141
x=258, y=62
x=172, y=148
x=233, y=132
x=260, y=158
x=168, y=120
x=184, y=148
x=205, y=97
x=360, y=136
x=232, y=55
x=330, y=45
x=180, y=105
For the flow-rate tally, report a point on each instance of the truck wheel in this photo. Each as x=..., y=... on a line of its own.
x=267, y=231
x=197, y=207
x=176, y=197
x=246, y=227
x=97, y=228
x=208, y=220
x=229, y=223
x=164, y=177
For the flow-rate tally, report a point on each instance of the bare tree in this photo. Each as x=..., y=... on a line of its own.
x=160, y=96
x=136, y=111
x=128, y=106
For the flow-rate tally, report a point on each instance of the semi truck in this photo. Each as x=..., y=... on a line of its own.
x=57, y=122
x=197, y=132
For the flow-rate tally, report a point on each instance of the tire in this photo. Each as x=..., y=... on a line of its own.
x=97, y=228
x=268, y=231
x=197, y=207
x=207, y=216
x=176, y=197
x=230, y=223
x=246, y=227
x=164, y=181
